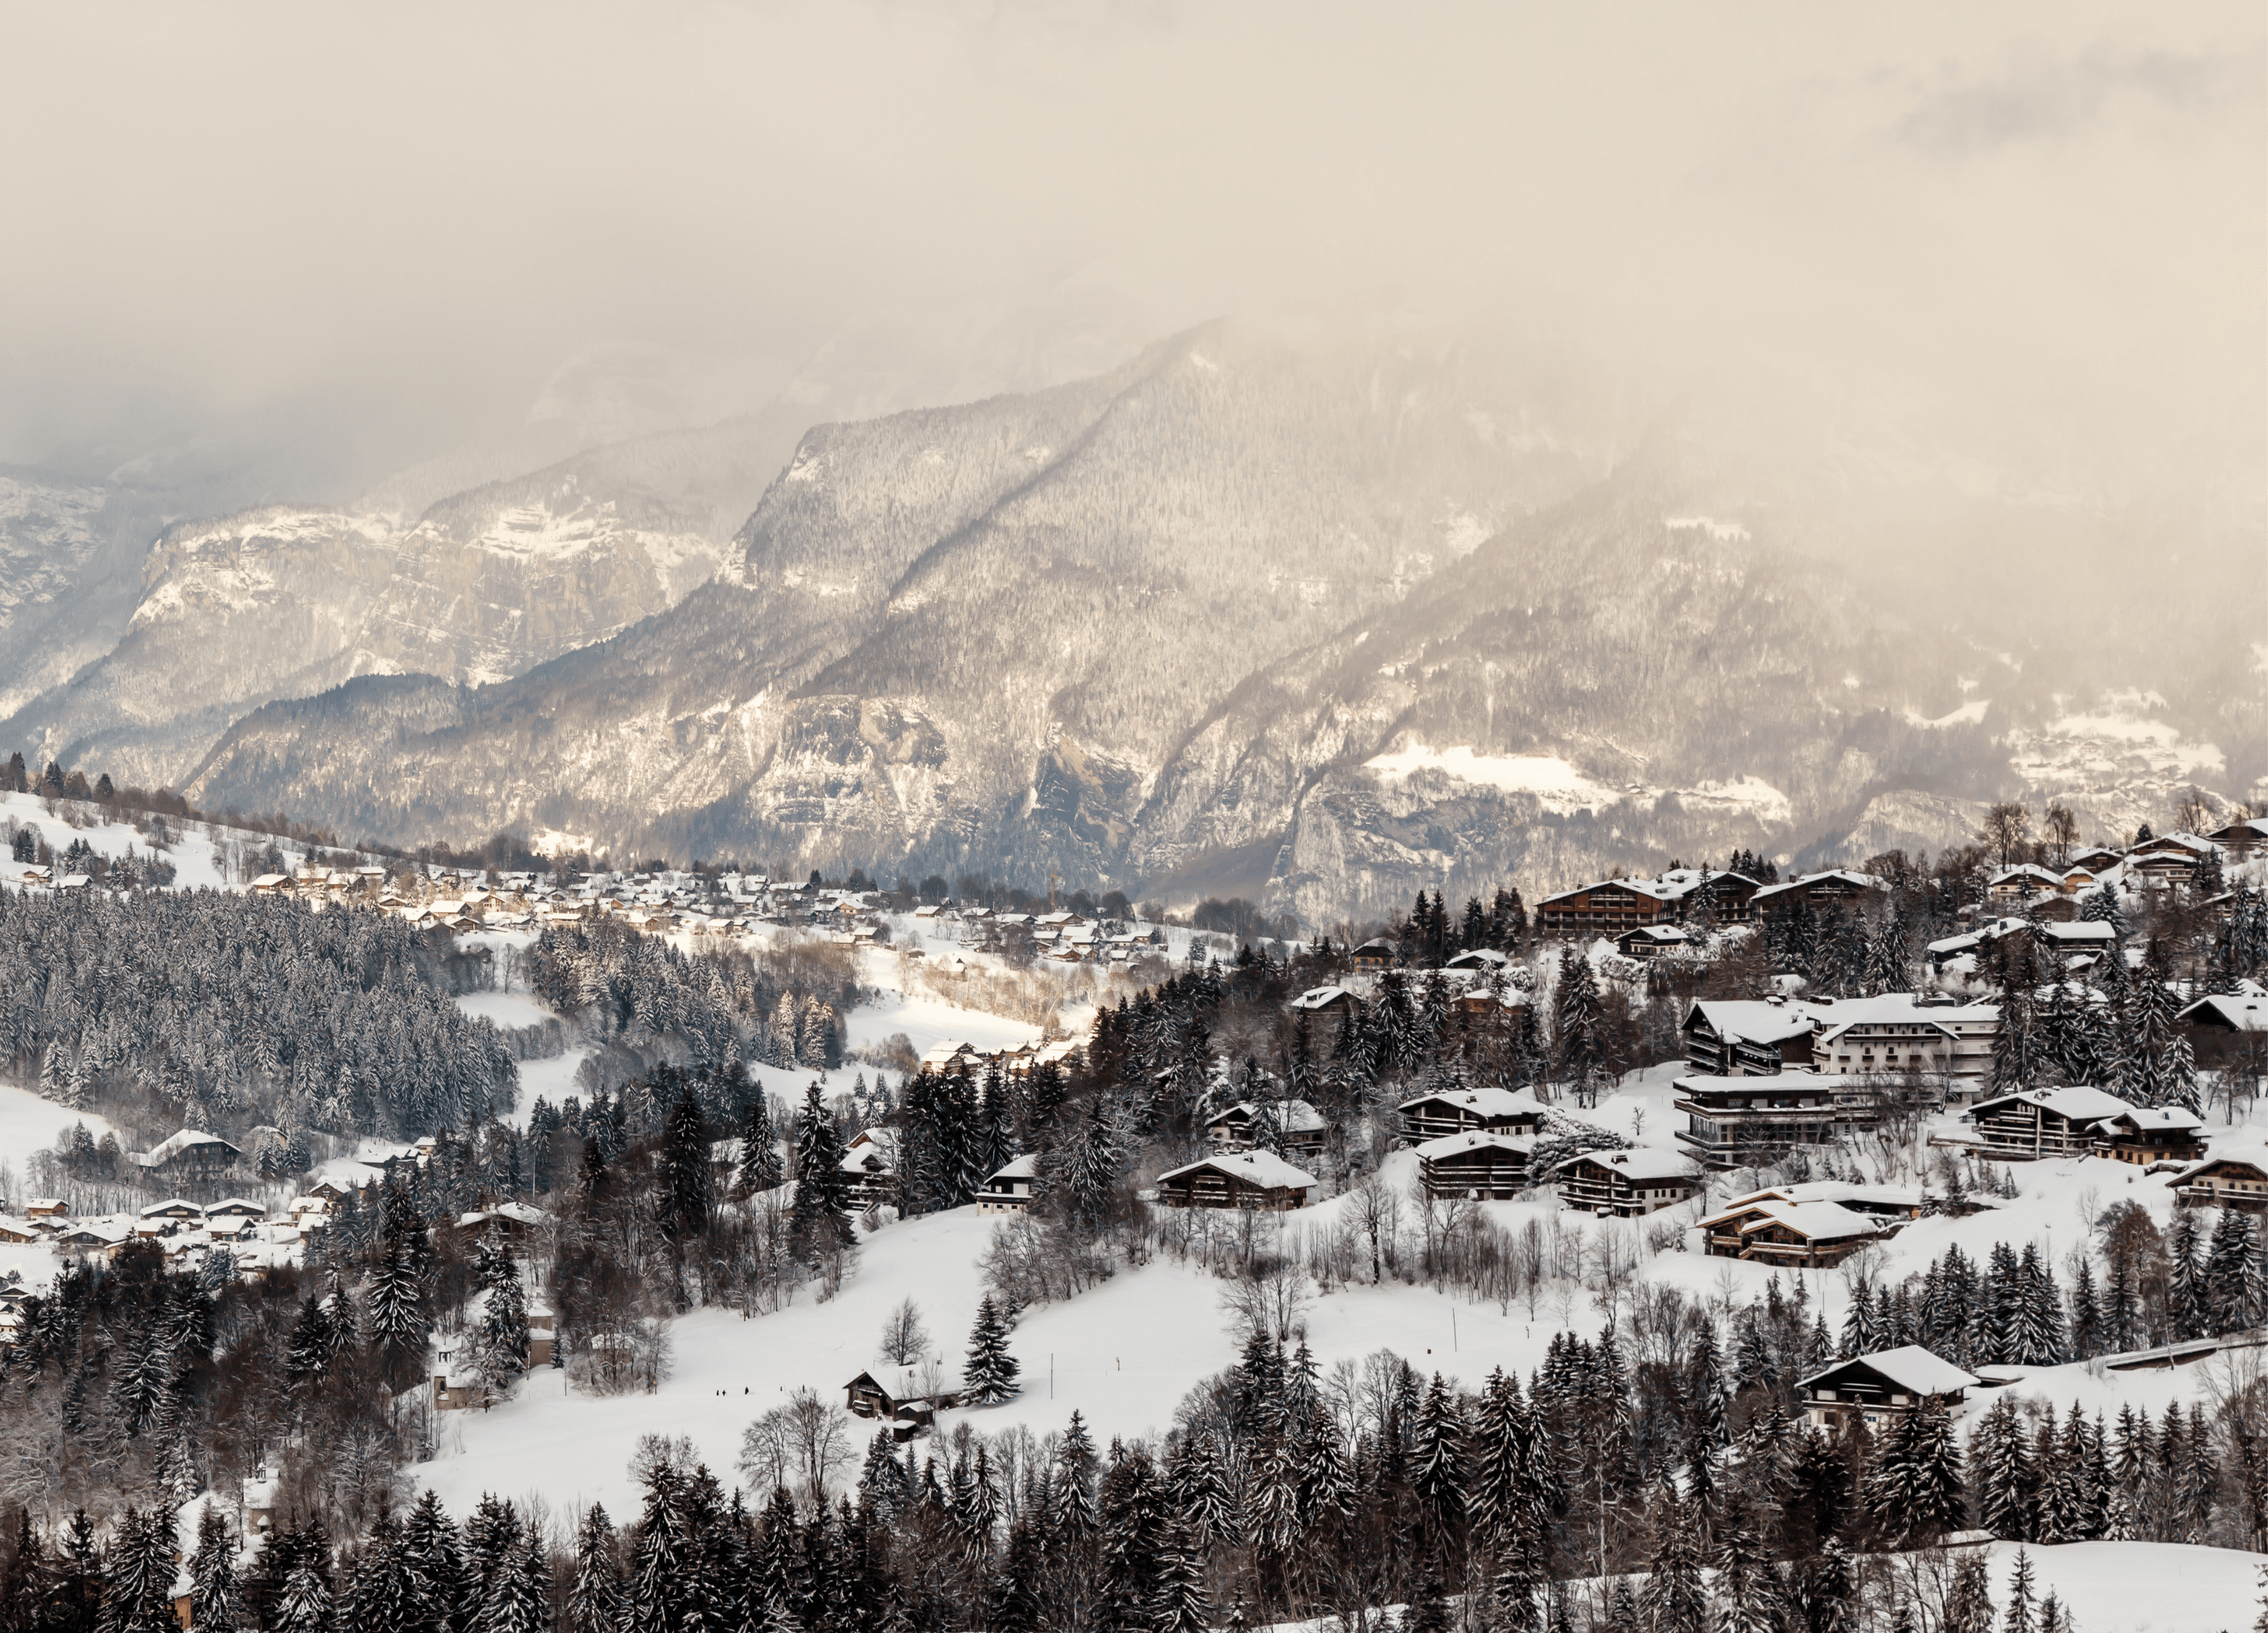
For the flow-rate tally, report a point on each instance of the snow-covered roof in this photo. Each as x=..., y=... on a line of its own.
x=1817, y=1221
x=2078, y=1103
x=512, y=1212
x=1264, y=1169
x=1297, y=1116
x=1848, y=876
x=2164, y=1118
x=1478, y=958
x=2235, y=1012
x=1898, y=1008
x=173, y=1144
x=1474, y=1140
x=1913, y=1368
x=1645, y=1164
x=171, y=1205
x=1024, y=1167
x=1320, y=997
x=1482, y=1103
x=1759, y=1020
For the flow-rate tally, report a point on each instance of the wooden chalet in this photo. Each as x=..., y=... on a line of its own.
x=2239, y=1182
x=1374, y=955
x=190, y=1154
x=1879, y=1388
x=2148, y=1134
x=1243, y=1180
x=13, y=1232
x=2042, y=1122
x=1769, y=1228
x=1901, y=1035
x=1838, y=887
x=1011, y=1188
x=47, y=1208
x=1478, y=960
x=1612, y=906
x=871, y=1166
x=1746, y=1037
x=2241, y=838
x=1443, y=1112
x=2226, y=1026
x=1625, y=1183
x=1298, y=1126
x=2095, y=861
x=1487, y=1165
x=1650, y=941
x=1735, y=1122
x=1326, y=1001
x=2025, y=880
x=906, y=1397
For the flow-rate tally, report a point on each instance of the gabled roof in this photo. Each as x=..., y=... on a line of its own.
x=1644, y=1166
x=1297, y=1117
x=2235, y=1012
x=1814, y=1221
x=2165, y=1119
x=1478, y=958
x=1484, y=1103
x=1844, y=875
x=1756, y=1020
x=1911, y=1367
x=1024, y=1167
x=1897, y=1009
x=173, y=1144
x=1320, y=997
x=1474, y=1140
x=2077, y=1103
x=1264, y=1169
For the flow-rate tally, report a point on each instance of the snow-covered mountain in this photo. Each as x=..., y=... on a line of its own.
x=286, y=602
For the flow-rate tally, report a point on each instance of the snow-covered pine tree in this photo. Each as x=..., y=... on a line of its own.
x=822, y=1188
x=1675, y=1599
x=216, y=1604
x=991, y=1378
x=499, y=1344
x=2186, y=1309
x=306, y=1606
x=1180, y=1604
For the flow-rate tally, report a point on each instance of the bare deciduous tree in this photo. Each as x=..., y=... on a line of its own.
x=904, y=1339
x=2005, y=830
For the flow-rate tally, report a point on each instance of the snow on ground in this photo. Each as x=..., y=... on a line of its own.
x=507, y=1010
x=553, y=1079
x=2139, y=1587
x=29, y=1123
x=193, y=854
x=928, y=1021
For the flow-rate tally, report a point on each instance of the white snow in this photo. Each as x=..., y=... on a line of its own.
x=1709, y=525
x=1552, y=780
x=1967, y=714
x=508, y=1009
x=29, y=1123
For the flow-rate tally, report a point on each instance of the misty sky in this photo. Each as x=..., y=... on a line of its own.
x=399, y=222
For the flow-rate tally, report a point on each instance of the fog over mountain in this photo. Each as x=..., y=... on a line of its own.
x=1309, y=452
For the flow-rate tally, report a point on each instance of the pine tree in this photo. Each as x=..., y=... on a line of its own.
x=1968, y=1605
x=2005, y=1480
x=500, y=1342
x=384, y=1597
x=1180, y=1603
x=2185, y=1287
x=822, y=1202
x=686, y=1202
x=1438, y=1477
x=518, y=1599
x=306, y=1606
x=215, y=1602
x=137, y=1587
x=760, y=1159
x=2018, y=1618
x=991, y=1378
x=1674, y=1600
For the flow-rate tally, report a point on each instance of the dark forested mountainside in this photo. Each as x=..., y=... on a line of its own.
x=1148, y=631
x=220, y=1011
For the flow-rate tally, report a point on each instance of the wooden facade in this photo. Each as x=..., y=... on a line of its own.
x=1482, y=1165
x=1625, y=1183
x=1301, y=1128
x=1747, y=1038
x=1734, y=1123
x=2151, y=1134
x=1248, y=1180
x=2042, y=1122
x=1809, y=1235
x=1877, y=1389
x=2225, y=1182
x=1464, y=1111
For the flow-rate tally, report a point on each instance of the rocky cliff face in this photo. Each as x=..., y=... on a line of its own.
x=1322, y=622
x=286, y=602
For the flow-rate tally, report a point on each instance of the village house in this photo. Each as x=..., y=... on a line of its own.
x=1478, y=961
x=1374, y=955
x=2225, y=1028
x=871, y=1166
x=189, y=1155
x=1769, y=1228
x=1626, y=1183
x=2239, y=1182
x=97, y=1240
x=1485, y=1165
x=512, y=1219
x=1609, y=906
x=2148, y=1134
x=1901, y=1034
x=1734, y=1123
x=45, y=1208
x=1326, y=1001
x=1650, y=941
x=1011, y=1188
x=906, y=1397
x=2240, y=838
x=1746, y=1037
x=1243, y=1180
x=2026, y=878
x=1442, y=1112
x=1837, y=888
x=13, y=1231
x=235, y=1210
x=2042, y=1122
x=1878, y=1388
x=1298, y=1128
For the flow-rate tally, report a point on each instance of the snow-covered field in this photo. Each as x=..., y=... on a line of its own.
x=194, y=853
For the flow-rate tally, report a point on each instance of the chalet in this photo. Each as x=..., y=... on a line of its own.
x=907, y=1398
x=2225, y=1027
x=1011, y=1188
x=2239, y=1182
x=543, y=1333
x=1245, y=1179
x=1297, y=1127
x=2170, y=860
x=513, y=1219
x=1895, y=1203
x=871, y=1166
x=2095, y=861
x=1478, y=960
x=1443, y=1112
x=1903, y=1034
x=92, y=1238
x=1878, y=1388
x=1625, y=1183
x=45, y=1208
x=1485, y=1001
x=2240, y=838
x=2148, y=1134
x=1486, y=1164
x=237, y=1209
x=1838, y=887
x=1611, y=906
x=1650, y=941
x=173, y=1210
x=1735, y=1122
x=2042, y=1122
x=1769, y=1228
x=13, y=1232
x=2026, y=878
x=1374, y=955
x=188, y=1154
x=270, y=885
x=1747, y=1038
